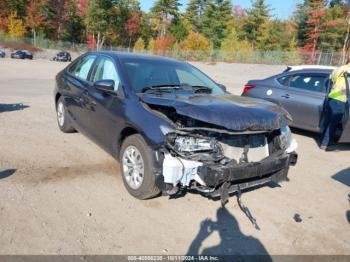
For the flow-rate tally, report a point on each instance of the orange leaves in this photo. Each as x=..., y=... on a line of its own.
x=15, y=26
x=91, y=42
x=195, y=42
x=164, y=43
x=35, y=17
x=132, y=25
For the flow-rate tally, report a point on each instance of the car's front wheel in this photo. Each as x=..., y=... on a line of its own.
x=137, y=161
x=62, y=118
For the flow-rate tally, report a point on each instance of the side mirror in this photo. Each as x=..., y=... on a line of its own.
x=223, y=88
x=106, y=86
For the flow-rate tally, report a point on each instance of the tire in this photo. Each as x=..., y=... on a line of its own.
x=63, y=121
x=147, y=188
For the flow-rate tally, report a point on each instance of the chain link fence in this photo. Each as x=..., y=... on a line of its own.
x=45, y=49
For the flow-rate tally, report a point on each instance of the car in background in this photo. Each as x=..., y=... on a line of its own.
x=302, y=91
x=172, y=127
x=63, y=56
x=22, y=54
x=2, y=54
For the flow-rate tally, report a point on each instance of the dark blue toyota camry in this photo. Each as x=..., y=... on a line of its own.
x=172, y=127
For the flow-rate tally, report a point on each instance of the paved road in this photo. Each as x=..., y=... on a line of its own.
x=61, y=194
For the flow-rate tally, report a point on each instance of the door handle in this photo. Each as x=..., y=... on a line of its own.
x=88, y=99
x=286, y=96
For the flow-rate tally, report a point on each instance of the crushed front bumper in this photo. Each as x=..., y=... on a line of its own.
x=217, y=174
x=211, y=177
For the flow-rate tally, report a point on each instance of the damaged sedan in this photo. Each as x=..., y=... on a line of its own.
x=172, y=127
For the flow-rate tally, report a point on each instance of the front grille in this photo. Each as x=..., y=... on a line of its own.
x=256, y=147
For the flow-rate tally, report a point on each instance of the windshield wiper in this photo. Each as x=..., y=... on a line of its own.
x=199, y=89
x=161, y=88
x=165, y=88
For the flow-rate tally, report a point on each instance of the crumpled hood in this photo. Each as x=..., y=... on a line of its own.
x=231, y=112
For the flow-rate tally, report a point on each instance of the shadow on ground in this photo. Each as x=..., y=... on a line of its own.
x=7, y=173
x=343, y=177
x=348, y=212
x=12, y=107
x=316, y=137
x=232, y=195
x=232, y=240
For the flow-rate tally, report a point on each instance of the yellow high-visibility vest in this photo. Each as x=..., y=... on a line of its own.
x=338, y=91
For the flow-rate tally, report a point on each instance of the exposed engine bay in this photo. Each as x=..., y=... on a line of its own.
x=212, y=159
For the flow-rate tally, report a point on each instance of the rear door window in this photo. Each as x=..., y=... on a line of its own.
x=309, y=82
x=82, y=68
x=284, y=80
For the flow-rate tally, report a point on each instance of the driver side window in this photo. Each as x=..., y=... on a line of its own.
x=105, y=70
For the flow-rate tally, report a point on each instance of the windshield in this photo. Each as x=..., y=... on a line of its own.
x=149, y=74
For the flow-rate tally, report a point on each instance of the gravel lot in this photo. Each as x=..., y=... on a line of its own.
x=61, y=194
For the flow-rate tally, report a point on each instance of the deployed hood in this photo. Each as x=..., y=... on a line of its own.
x=231, y=112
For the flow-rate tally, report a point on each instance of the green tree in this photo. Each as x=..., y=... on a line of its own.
x=194, y=13
x=256, y=24
x=165, y=10
x=232, y=43
x=216, y=15
x=123, y=10
x=300, y=18
x=235, y=49
x=100, y=19
x=151, y=44
x=10, y=6
x=73, y=28
x=35, y=18
x=139, y=45
x=278, y=36
x=334, y=30
x=146, y=30
x=179, y=28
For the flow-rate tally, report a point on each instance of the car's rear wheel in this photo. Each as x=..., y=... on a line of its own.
x=137, y=161
x=62, y=118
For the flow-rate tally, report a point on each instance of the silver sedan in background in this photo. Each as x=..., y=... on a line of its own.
x=302, y=91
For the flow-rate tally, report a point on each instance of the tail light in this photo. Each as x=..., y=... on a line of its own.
x=248, y=87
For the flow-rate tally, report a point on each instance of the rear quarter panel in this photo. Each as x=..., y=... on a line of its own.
x=268, y=89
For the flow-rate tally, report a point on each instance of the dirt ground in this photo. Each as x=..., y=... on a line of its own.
x=61, y=194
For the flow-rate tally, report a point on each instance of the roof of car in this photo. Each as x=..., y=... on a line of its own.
x=302, y=67
x=127, y=55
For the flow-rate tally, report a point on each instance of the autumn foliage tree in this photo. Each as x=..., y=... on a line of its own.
x=15, y=25
x=315, y=26
x=35, y=18
x=139, y=45
x=164, y=43
x=195, y=42
x=99, y=18
x=132, y=25
x=163, y=13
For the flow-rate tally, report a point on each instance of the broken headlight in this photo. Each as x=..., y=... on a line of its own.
x=194, y=144
x=285, y=137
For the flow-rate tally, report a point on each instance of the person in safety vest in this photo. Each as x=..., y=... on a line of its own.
x=335, y=104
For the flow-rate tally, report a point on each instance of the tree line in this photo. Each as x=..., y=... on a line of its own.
x=204, y=25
